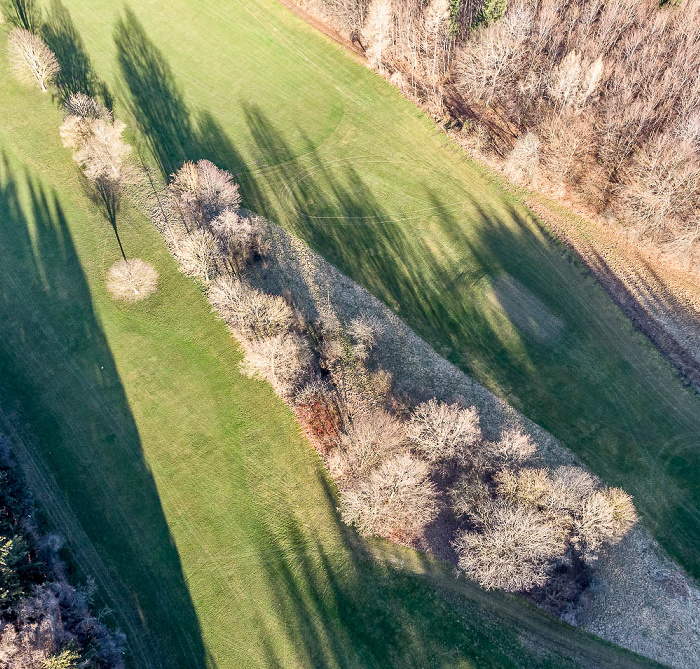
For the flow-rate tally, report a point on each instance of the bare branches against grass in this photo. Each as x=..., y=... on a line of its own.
x=31, y=60
x=132, y=280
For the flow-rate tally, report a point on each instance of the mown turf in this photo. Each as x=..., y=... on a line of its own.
x=184, y=488
x=329, y=150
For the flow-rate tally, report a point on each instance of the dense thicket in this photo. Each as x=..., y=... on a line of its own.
x=45, y=623
x=597, y=100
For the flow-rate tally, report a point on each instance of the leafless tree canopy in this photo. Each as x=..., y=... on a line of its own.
x=444, y=432
x=132, y=280
x=204, y=191
x=397, y=500
x=513, y=549
x=251, y=313
x=99, y=150
x=31, y=60
x=282, y=360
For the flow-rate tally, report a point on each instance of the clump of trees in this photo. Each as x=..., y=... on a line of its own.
x=32, y=61
x=214, y=235
x=610, y=91
x=44, y=621
x=397, y=467
x=595, y=101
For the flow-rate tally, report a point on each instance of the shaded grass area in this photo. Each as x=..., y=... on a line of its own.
x=330, y=151
x=186, y=488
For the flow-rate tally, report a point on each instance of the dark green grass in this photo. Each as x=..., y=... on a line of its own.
x=186, y=489
x=329, y=150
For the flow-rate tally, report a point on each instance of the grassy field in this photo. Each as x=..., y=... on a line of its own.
x=326, y=148
x=186, y=489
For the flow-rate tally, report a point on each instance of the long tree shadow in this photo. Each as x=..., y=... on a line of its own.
x=158, y=106
x=61, y=396
x=76, y=74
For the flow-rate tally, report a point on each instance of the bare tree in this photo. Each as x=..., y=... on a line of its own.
x=251, y=313
x=377, y=31
x=282, y=360
x=369, y=438
x=396, y=501
x=513, y=548
x=86, y=107
x=31, y=60
x=132, y=280
x=204, y=191
x=444, y=432
x=100, y=152
x=198, y=255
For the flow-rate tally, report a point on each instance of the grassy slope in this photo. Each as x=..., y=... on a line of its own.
x=329, y=150
x=186, y=488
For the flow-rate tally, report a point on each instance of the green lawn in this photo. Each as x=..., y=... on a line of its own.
x=186, y=489
x=329, y=150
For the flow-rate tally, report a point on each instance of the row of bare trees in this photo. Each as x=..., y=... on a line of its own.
x=397, y=466
x=90, y=130
x=594, y=100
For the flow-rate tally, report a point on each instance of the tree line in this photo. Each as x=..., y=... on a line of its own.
x=516, y=525
x=597, y=101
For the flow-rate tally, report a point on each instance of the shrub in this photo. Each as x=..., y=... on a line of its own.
x=132, y=280
x=529, y=487
x=623, y=511
x=282, y=360
x=251, y=313
x=396, y=501
x=513, y=548
x=444, y=432
x=524, y=159
x=31, y=60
